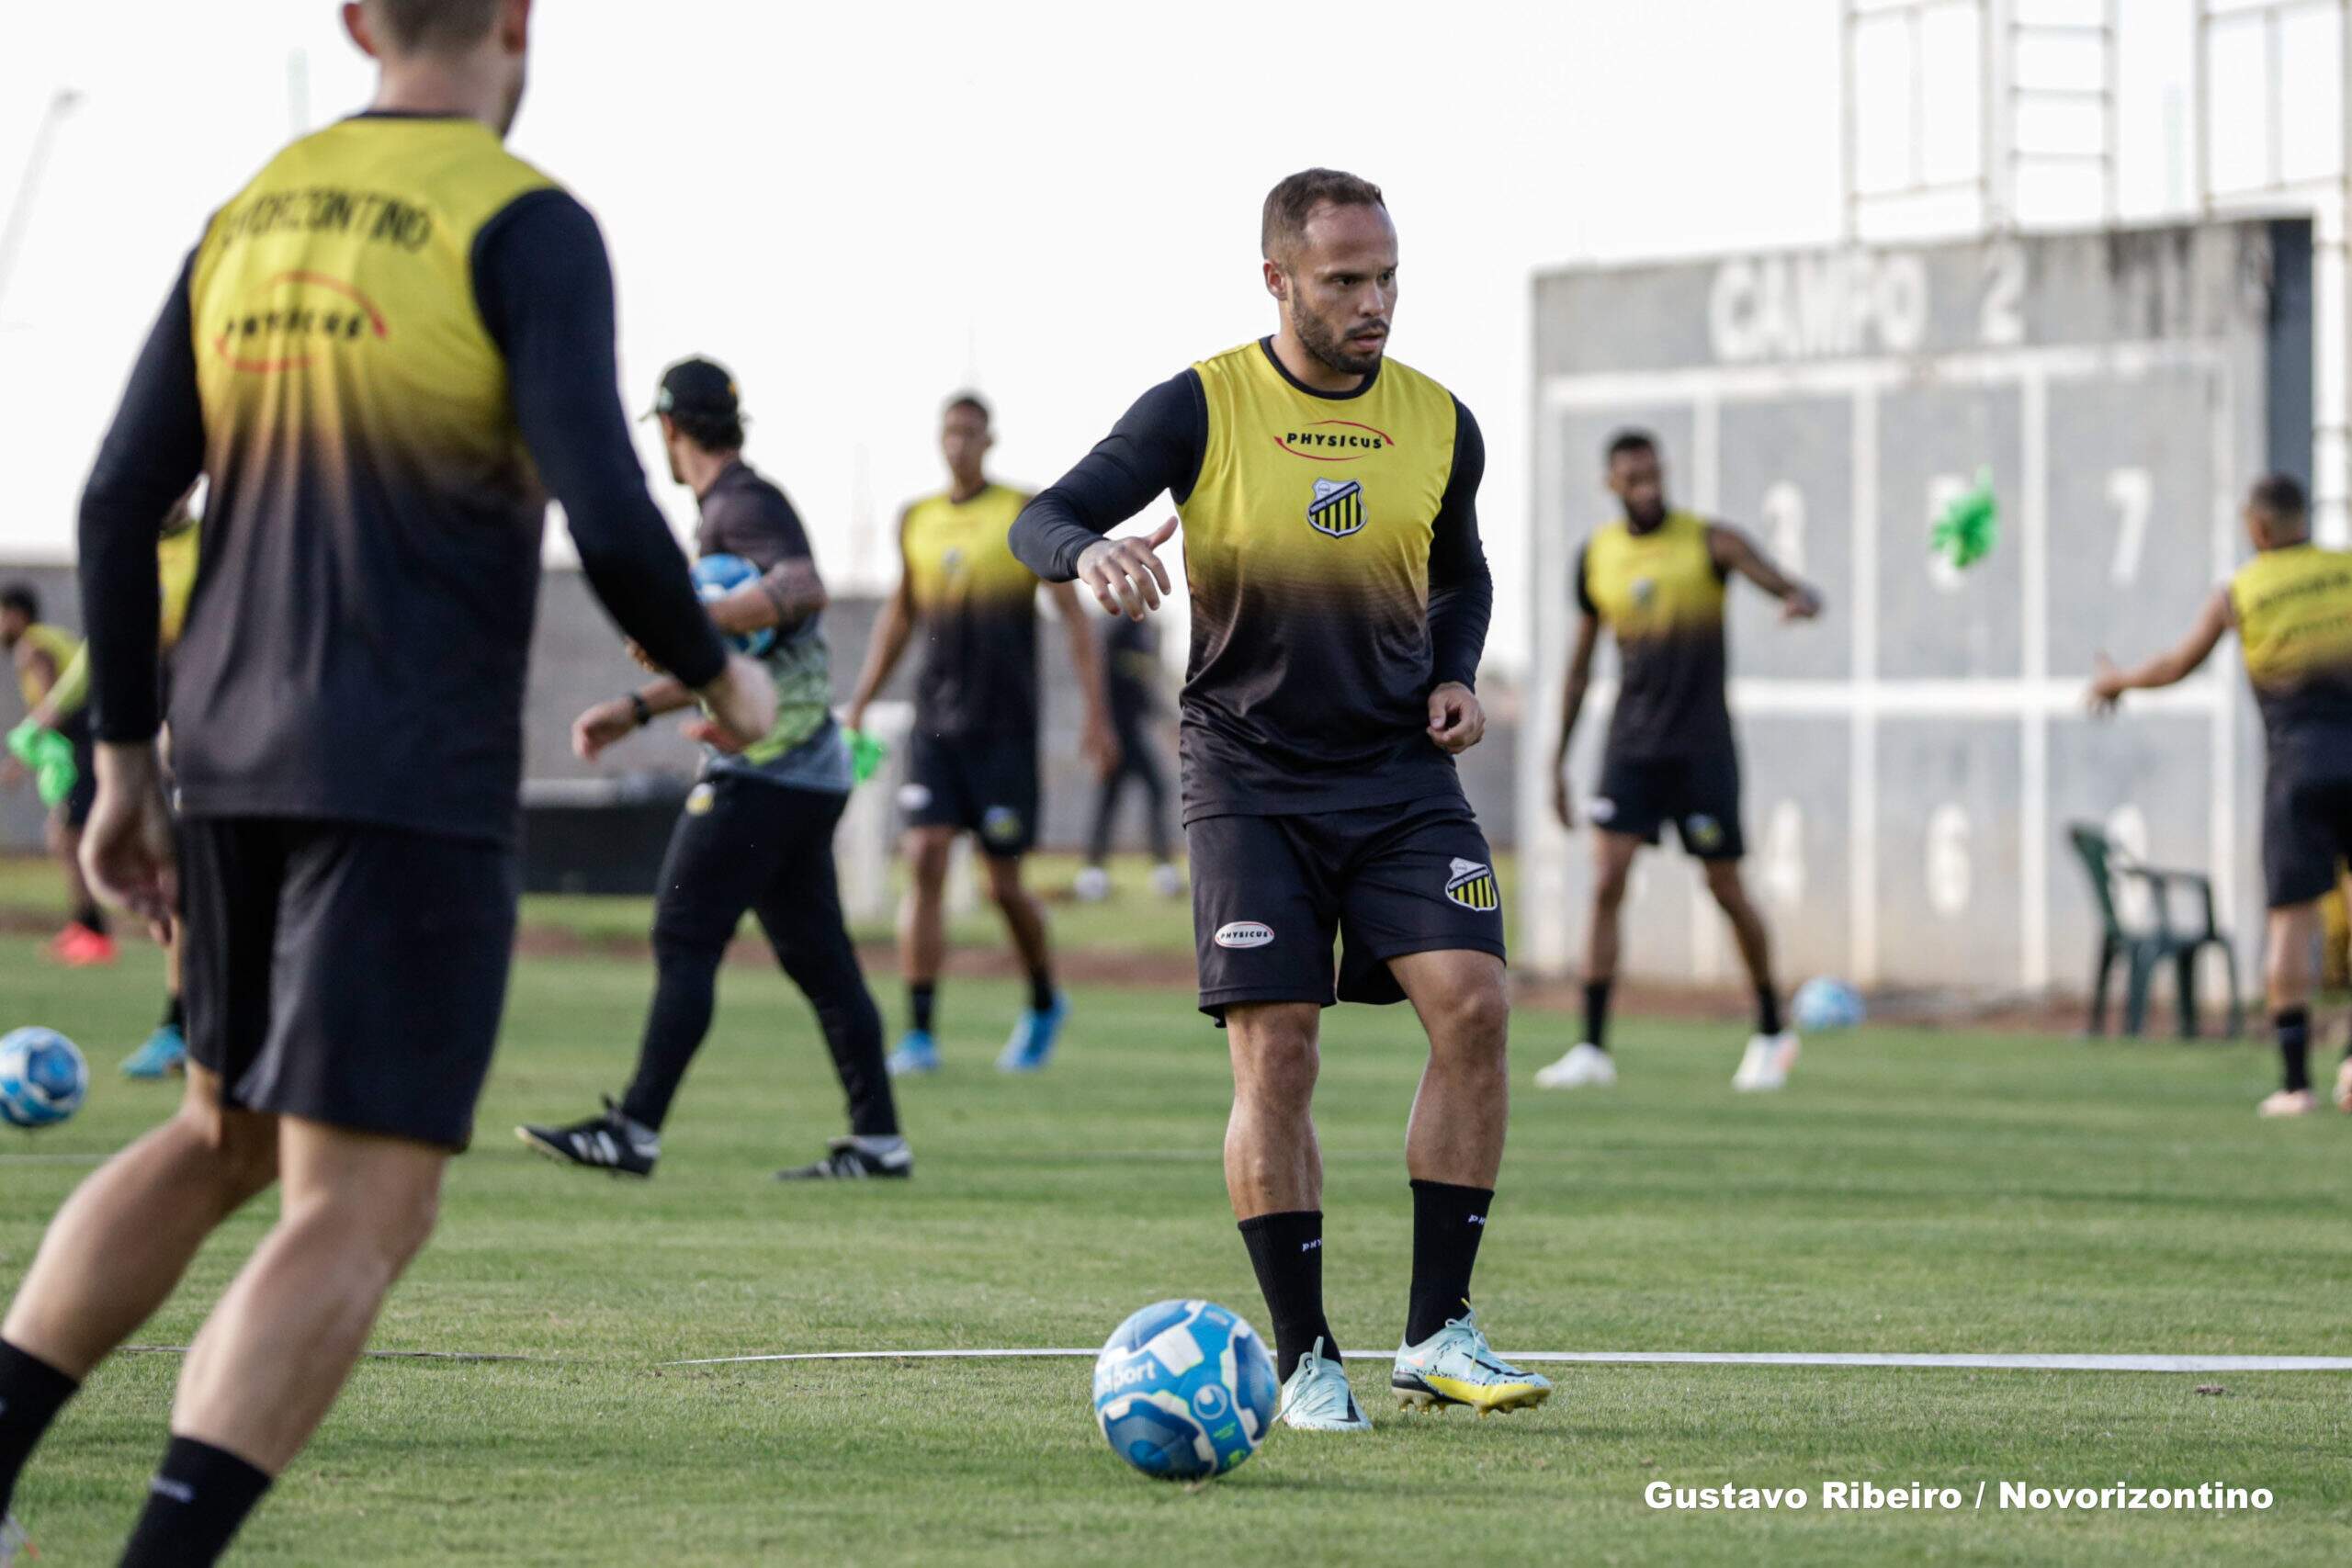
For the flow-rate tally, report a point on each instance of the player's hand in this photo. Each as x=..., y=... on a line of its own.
x=1456, y=721
x=740, y=704
x=1802, y=603
x=1101, y=749
x=1125, y=574
x=2107, y=686
x=1564, y=805
x=600, y=727
x=127, y=845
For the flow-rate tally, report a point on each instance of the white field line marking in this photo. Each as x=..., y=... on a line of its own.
x=2052, y=1363
x=54, y=1159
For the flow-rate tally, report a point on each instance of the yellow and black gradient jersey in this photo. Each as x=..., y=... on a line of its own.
x=62, y=649
x=1660, y=591
x=975, y=613
x=381, y=350
x=2294, y=609
x=1331, y=545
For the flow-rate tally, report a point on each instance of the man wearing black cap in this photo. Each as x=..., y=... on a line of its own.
x=757, y=832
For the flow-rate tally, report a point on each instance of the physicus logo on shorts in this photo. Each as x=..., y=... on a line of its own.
x=1244, y=933
x=700, y=799
x=1337, y=509
x=1473, y=886
x=913, y=796
x=1602, y=809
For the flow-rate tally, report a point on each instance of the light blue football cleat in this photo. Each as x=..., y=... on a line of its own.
x=13, y=1539
x=917, y=1052
x=1031, y=1045
x=164, y=1053
x=1457, y=1366
x=1317, y=1398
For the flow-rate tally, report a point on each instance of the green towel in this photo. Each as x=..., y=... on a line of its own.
x=49, y=757
x=1970, y=526
x=865, y=754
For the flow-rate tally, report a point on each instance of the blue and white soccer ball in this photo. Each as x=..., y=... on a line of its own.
x=1823, y=1004
x=1184, y=1390
x=42, y=1077
x=717, y=576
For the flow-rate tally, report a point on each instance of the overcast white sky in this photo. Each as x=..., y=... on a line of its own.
x=860, y=207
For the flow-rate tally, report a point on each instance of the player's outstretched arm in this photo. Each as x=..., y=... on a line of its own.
x=1156, y=445
x=1100, y=741
x=1580, y=682
x=2168, y=669
x=893, y=628
x=152, y=452
x=1734, y=551
x=545, y=287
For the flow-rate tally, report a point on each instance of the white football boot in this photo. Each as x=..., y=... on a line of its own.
x=1317, y=1398
x=1457, y=1366
x=1587, y=1066
x=1093, y=885
x=1765, y=1065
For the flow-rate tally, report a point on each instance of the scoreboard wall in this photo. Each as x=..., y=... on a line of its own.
x=1913, y=759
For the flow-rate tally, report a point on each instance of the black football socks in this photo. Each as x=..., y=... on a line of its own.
x=31, y=1393
x=2294, y=1027
x=1768, y=1012
x=194, y=1505
x=1447, y=1222
x=1041, y=990
x=922, y=997
x=1286, y=1249
x=1595, y=1013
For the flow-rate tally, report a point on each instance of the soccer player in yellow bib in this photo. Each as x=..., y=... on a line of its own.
x=385, y=353
x=1656, y=577
x=41, y=654
x=2291, y=605
x=164, y=1052
x=1340, y=606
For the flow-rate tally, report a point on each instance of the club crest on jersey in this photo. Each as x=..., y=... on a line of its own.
x=1337, y=509
x=1473, y=886
x=1644, y=592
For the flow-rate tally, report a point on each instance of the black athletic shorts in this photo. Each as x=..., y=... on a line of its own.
x=2306, y=829
x=84, y=795
x=1270, y=894
x=746, y=843
x=346, y=973
x=984, y=782
x=1699, y=794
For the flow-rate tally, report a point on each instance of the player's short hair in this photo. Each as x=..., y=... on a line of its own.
x=20, y=597
x=2280, y=496
x=425, y=26
x=973, y=401
x=710, y=430
x=1628, y=440
x=1291, y=203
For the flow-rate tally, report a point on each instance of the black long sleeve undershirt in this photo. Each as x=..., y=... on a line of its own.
x=545, y=288
x=1158, y=446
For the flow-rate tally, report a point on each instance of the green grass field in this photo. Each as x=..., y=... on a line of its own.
x=1911, y=1192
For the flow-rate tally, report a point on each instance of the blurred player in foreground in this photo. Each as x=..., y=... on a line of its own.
x=1133, y=678
x=164, y=1052
x=1340, y=605
x=42, y=653
x=379, y=348
x=757, y=831
x=1656, y=577
x=972, y=757
x=2292, y=607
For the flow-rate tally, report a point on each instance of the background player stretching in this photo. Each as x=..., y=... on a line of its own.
x=346, y=726
x=41, y=654
x=972, y=758
x=2292, y=607
x=1656, y=577
x=1340, y=606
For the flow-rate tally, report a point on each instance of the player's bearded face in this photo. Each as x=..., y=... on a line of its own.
x=1639, y=481
x=1342, y=288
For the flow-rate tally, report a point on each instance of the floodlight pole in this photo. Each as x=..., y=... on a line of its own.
x=20, y=210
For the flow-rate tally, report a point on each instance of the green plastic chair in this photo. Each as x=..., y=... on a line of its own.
x=2143, y=953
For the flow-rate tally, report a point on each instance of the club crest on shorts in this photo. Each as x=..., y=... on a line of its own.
x=700, y=799
x=1702, y=832
x=1337, y=509
x=1473, y=886
x=1000, y=825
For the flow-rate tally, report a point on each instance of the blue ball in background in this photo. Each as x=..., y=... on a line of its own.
x=1184, y=1390
x=1823, y=1004
x=717, y=576
x=42, y=1077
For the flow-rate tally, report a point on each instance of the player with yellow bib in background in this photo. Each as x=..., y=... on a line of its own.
x=2292, y=607
x=42, y=653
x=1340, y=605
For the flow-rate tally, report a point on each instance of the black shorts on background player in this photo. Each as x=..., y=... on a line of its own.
x=1270, y=893
x=1699, y=794
x=283, y=920
x=986, y=784
x=84, y=793
x=2306, y=833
